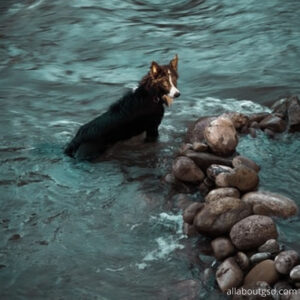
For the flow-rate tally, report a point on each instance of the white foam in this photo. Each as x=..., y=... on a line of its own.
x=169, y=242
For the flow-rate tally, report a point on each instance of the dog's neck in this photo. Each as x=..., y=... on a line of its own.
x=146, y=89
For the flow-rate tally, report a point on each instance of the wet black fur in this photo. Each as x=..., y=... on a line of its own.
x=137, y=111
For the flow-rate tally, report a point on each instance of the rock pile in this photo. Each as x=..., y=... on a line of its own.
x=234, y=214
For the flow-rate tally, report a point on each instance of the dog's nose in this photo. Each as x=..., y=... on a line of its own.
x=177, y=94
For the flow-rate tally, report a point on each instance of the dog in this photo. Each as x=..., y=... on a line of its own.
x=140, y=110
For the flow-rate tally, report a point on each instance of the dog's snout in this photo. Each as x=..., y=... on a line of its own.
x=177, y=94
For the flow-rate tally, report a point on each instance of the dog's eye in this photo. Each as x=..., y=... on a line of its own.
x=165, y=84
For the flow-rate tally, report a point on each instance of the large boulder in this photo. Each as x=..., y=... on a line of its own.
x=264, y=271
x=274, y=123
x=229, y=275
x=243, y=178
x=186, y=170
x=294, y=114
x=204, y=160
x=195, y=132
x=221, y=136
x=271, y=204
x=217, y=217
x=252, y=232
x=219, y=193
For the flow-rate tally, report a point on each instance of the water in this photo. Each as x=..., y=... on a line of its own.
x=106, y=231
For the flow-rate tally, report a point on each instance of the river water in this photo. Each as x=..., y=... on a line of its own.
x=74, y=230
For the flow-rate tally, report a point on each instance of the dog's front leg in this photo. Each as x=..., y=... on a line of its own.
x=151, y=134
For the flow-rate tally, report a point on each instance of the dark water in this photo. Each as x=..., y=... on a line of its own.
x=106, y=231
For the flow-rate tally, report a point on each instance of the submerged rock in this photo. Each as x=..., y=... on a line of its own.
x=252, y=232
x=264, y=271
x=191, y=211
x=219, y=193
x=271, y=204
x=286, y=260
x=229, y=275
x=222, y=247
x=186, y=170
x=242, y=177
x=221, y=136
x=203, y=160
x=245, y=161
x=217, y=217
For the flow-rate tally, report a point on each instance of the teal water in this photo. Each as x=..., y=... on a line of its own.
x=106, y=231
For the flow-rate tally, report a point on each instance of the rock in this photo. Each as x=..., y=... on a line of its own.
x=204, y=160
x=244, y=130
x=295, y=273
x=217, y=217
x=14, y=237
x=269, y=133
x=229, y=275
x=281, y=285
x=242, y=260
x=259, y=290
x=264, y=271
x=254, y=125
x=215, y=170
x=186, y=170
x=181, y=201
x=280, y=106
x=273, y=123
x=252, y=132
x=239, y=120
x=184, y=148
x=204, y=189
x=252, y=232
x=221, y=136
x=285, y=261
x=242, y=177
x=295, y=294
x=189, y=230
x=219, y=193
x=222, y=248
x=271, y=246
x=271, y=204
x=294, y=114
x=195, y=132
x=200, y=147
x=245, y=161
x=257, y=117
x=170, y=178
x=191, y=211
x=258, y=257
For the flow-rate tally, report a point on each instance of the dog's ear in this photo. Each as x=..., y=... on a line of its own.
x=154, y=69
x=174, y=62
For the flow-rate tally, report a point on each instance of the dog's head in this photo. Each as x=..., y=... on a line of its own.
x=163, y=79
